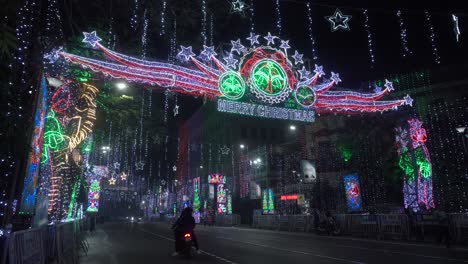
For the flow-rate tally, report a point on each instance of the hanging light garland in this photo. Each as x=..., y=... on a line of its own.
x=369, y=37
x=163, y=18
x=435, y=52
x=311, y=36
x=403, y=35
x=251, y=18
x=134, y=17
x=278, y=17
x=203, y=32
x=144, y=36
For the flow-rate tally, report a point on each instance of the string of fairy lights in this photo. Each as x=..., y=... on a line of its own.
x=369, y=37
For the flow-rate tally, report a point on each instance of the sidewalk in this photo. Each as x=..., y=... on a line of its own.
x=100, y=248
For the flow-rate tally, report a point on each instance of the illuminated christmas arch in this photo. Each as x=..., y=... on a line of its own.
x=259, y=73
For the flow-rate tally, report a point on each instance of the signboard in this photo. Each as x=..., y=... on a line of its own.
x=353, y=192
x=289, y=197
x=308, y=171
x=265, y=111
x=28, y=197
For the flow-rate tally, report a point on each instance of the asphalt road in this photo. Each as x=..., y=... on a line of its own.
x=153, y=243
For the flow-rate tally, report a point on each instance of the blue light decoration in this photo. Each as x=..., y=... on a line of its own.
x=28, y=197
x=265, y=74
x=353, y=192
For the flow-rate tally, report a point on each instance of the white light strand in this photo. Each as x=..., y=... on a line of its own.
x=403, y=35
x=435, y=52
x=144, y=36
x=369, y=37
x=166, y=104
x=163, y=18
x=146, y=145
x=278, y=21
x=211, y=29
x=203, y=32
x=134, y=17
x=54, y=20
x=141, y=122
x=26, y=15
x=150, y=101
x=110, y=32
x=252, y=14
x=311, y=36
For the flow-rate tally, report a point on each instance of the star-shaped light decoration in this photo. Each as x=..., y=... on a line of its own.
x=304, y=73
x=176, y=110
x=270, y=38
x=224, y=150
x=116, y=165
x=338, y=21
x=208, y=52
x=139, y=165
x=185, y=53
x=174, y=168
x=123, y=176
x=91, y=38
x=319, y=70
x=237, y=46
x=408, y=100
x=335, y=77
x=230, y=61
x=53, y=55
x=297, y=57
x=285, y=45
x=253, y=39
x=377, y=89
x=237, y=6
x=112, y=181
x=388, y=85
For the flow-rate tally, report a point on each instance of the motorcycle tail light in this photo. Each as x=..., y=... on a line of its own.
x=187, y=235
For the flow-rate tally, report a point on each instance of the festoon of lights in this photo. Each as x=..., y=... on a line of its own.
x=266, y=69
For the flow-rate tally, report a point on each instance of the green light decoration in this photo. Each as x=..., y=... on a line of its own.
x=229, y=204
x=346, y=153
x=72, y=201
x=423, y=163
x=174, y=208
x=231, y=85
x=265, y=201
x=406, y=164
x=53, y=136
x=269, y=78
x=87, y=146
x=196, y=198
x=271, y=203
x=205, y=204
x=305, y=96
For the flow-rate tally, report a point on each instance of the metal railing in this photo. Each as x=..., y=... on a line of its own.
x=58, y=243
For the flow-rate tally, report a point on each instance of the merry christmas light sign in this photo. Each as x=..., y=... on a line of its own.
x=256, y=76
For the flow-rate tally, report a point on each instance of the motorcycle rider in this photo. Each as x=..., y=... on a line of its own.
x=184, y=224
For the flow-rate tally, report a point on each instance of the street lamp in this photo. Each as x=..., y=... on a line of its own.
x=242, y=146
x=121, y=85
x=292, y=127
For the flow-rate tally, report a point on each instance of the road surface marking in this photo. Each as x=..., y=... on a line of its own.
x=204, y=252
x=295, y=251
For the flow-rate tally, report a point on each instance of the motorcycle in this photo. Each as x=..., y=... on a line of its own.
x=186, y=245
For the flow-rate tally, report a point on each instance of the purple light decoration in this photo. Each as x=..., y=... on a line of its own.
x=28, y=197
x=417, y=186
x=202, y=79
